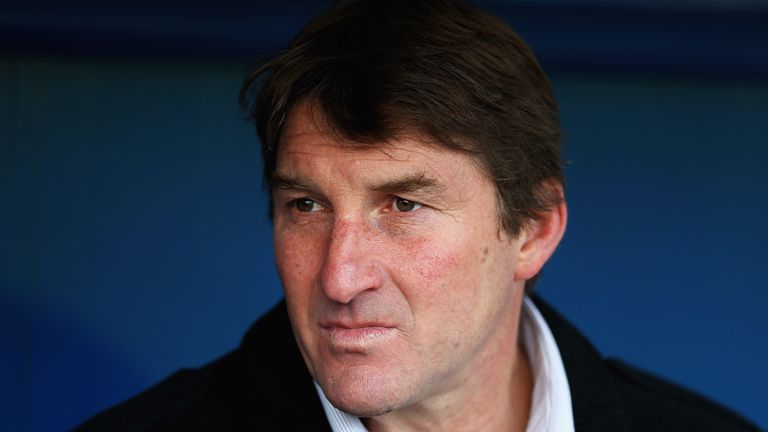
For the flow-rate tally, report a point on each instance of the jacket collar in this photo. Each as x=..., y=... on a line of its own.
x=597, y=403
x=282, y=383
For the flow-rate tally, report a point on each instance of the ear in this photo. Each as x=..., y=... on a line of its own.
x=540, y=238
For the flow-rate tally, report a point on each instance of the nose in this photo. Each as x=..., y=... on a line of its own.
x=350, y=265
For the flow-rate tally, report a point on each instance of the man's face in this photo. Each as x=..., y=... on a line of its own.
x=399, y=282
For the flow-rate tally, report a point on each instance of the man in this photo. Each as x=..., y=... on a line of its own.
x=412, y=150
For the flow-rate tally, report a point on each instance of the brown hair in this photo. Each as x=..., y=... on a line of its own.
x=439, y=68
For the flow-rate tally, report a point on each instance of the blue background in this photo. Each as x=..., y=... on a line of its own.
x=134, y=237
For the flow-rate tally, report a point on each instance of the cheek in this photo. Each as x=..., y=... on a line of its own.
x=446, y=280
x=296, y=259
x=433, y=263
x=430, y=265
x=441, y=287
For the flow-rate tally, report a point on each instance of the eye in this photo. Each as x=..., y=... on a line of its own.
x=404, y=205
x=306, y=205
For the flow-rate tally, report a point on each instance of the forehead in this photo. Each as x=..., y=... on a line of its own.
x=309, y=146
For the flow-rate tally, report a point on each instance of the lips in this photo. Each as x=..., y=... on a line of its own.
x=356, y=337
x=353, y=325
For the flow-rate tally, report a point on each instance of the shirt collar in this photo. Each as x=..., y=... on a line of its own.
x=551, y=399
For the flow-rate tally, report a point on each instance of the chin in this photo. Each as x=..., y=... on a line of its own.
x=364, y=393
x=363, y=408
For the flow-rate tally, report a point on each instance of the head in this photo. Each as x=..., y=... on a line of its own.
x=412, y=149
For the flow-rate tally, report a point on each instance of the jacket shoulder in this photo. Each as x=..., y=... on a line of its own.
x=178, y=399
x=263, y=385
x=659, y=405
x=610, y=395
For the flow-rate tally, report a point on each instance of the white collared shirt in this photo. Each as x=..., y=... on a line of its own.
x=551, y=399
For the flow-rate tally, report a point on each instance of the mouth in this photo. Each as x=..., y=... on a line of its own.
x=356, y=338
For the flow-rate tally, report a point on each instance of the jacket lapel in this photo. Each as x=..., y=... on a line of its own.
x=281, y=380
x=597, y=404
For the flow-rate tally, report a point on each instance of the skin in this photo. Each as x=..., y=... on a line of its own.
x=403, y=292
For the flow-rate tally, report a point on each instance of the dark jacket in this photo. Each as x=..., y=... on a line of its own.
x=264, y=386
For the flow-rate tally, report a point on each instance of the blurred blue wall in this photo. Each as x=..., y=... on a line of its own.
x=135, y=239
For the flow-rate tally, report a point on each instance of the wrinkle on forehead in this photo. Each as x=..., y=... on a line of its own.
x=390, y=151
x=318, y=123
x=309, y=133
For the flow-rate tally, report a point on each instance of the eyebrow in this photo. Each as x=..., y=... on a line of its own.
x=417, y=182
x=287, y=182
x=411, y=183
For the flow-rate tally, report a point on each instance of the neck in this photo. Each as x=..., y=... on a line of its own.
x=494, y=394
